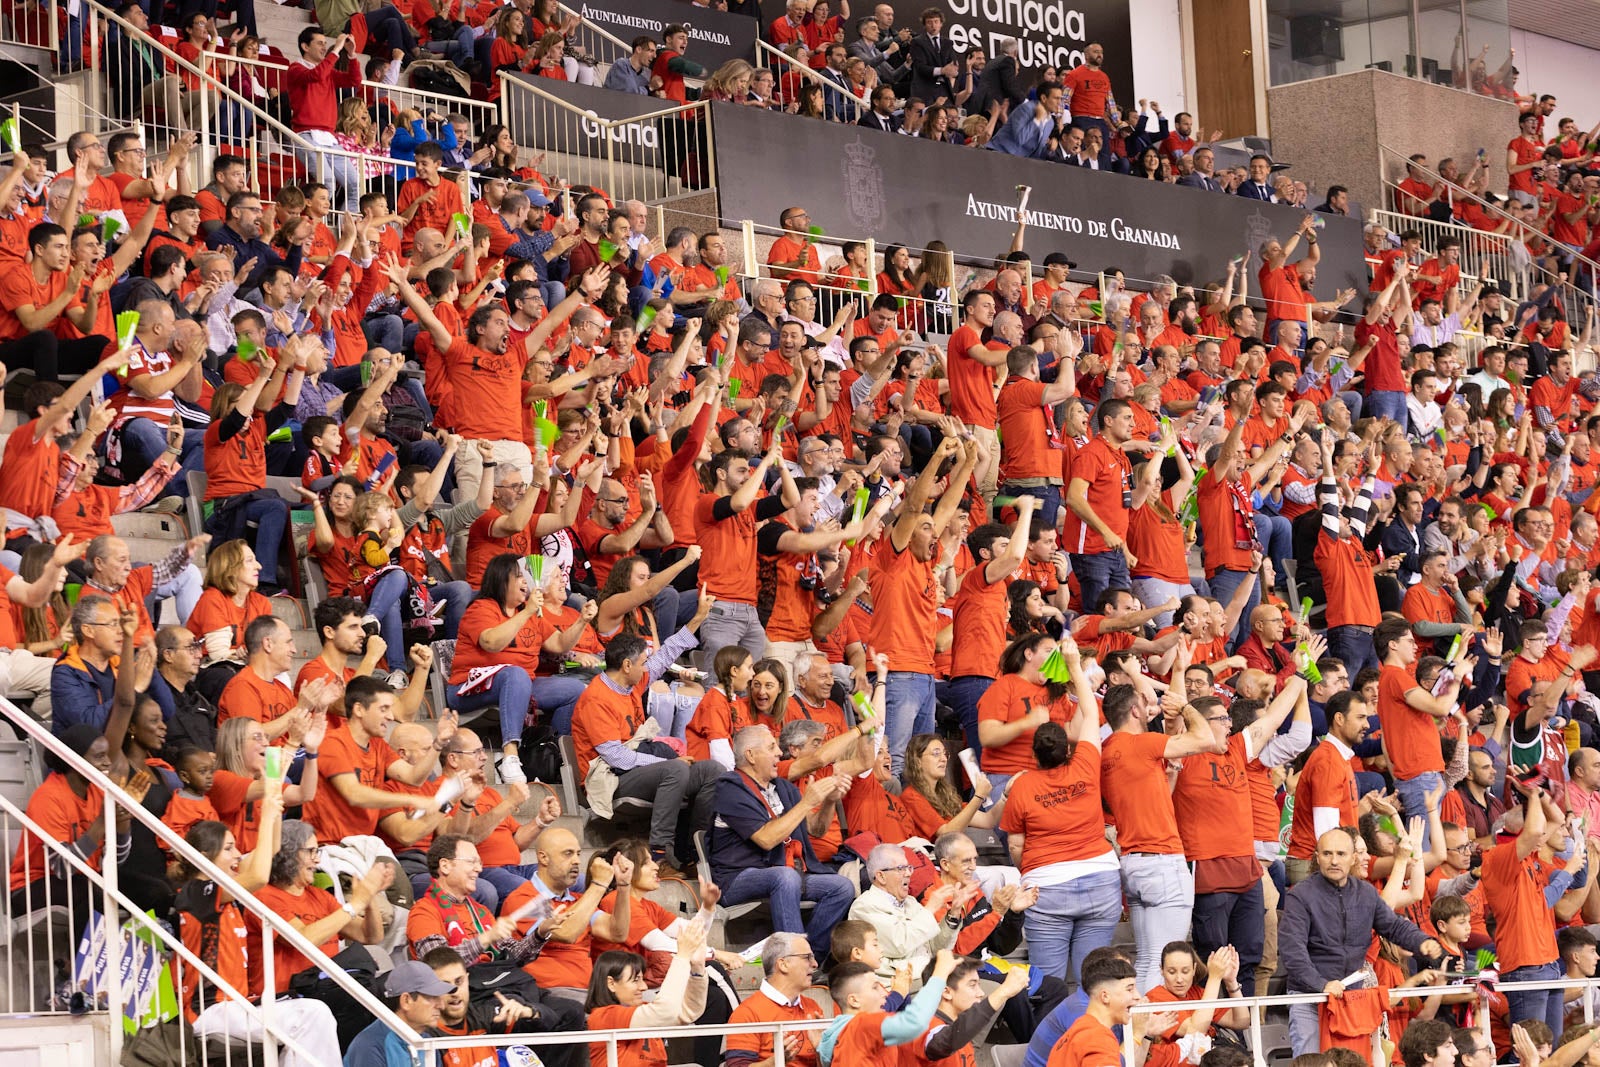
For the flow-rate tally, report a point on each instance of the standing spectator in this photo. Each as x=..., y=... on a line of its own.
x=972, y=366
x=1099, y=503
x=1256, y=186
x=1327, y=926
x=725, y=528
x=632, y=75
x=1409, y=715
x=313, y=83
x=1325, y=795
x=933, y=61
x=1515, y=875
x=1088, y=89
x=901, y=580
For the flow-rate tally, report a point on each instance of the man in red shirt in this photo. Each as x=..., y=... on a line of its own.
x=972, y=365
x=1090, y=1042
x=314, y=81
x=1514, y=879
x=1524, y=156
x=793, y=256
x=1325, y=796
x=725, y=528
x=1409, y=716
x=1099, y=502
x=1282, y=286
x=863, y=1032
x=1088, y=92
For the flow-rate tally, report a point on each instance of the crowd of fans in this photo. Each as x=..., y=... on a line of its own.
x=899, y=633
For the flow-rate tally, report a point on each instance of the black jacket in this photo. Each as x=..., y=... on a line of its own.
x=927, y=84
x=1000, y=82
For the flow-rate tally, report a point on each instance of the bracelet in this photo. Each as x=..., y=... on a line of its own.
x=489, y=463
x=310, y=754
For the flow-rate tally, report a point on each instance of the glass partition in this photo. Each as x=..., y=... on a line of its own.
x=1457, y=43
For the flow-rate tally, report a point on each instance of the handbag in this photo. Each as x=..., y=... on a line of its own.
x=600, y=784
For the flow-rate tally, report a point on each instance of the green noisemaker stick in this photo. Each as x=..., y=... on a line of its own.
x=127, y=326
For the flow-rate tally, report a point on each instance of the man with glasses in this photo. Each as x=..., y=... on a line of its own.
x=241, y=231
x=766, y=297
x=793, y=256
x=606, y=540
x=84, y=678
x=191, y=718
x=909, y=932
x=787, y=963
x=493, y=827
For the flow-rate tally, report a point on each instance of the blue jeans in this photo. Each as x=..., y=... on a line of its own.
x=1410, y=791
x=784, y=888
x=1160, y=894
x=385, y=331
x=1098, y=572
x=1353, y=646
x=1223, y=585
x=1072, y=920
x=456, y=596
x=271, y=516
x=511, y=690
x=1389, y=404
x=1276, y=535
x=384, y=605
x=965, y=692
x=387, y=25
x=144, y=442
x=503, y=881
x=908, y=709
x=1536, y=1004
x=1049, y=497
x=1237, y=919
x=557, y=695
x=458, y=51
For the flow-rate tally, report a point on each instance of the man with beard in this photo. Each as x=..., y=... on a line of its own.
x=241, y=231
x=1325, y=797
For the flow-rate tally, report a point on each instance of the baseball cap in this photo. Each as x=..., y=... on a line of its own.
x=414, y=976
x=536, y=198
x=1056, y=259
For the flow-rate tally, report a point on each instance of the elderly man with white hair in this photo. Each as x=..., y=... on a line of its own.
x=760, y=839
x=909, y=932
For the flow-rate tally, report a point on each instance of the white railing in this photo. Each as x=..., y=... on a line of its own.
x=273, y=926
x=595, y=40
x=36, y=25
x=782, y=63
x=642, y=157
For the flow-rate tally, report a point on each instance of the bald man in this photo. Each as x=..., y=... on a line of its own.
x=1265, y=649
x=562, y=969
x=492, y=823
x=1327, y=924
x=409, y=838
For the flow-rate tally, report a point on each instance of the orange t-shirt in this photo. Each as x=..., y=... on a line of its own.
x=904, y=608
x=760, y=1008
x=712, y=721
x=485, y=614
x=728, y=560
x=228, y=792
x=486, y=390
x=18, y=289
x=979, y=615
x=1326, y=782
x=861, y=1041
x=1524, y=932
x=788, y=249
x=1108, y=473
x=1217, y=520
x=29, y=471
x=971, y=383
x=1087, y=1043
x=1059, y=811
x=1133, y=780
x=333, y=817
x=239, y=464
x=1158, y=544
x=1410, y=737
x=1010, y=698
x=63, y=815
x=1212, y=802
x=1347, y=579
x=248, y=695
x=309, y=906
x=435, y=214
x=558, y=963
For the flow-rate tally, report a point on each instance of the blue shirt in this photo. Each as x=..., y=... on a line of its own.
x=1022, y=135
x=80, y=694
x=623, y=78
x=1054, y=1025
x=379, y=1046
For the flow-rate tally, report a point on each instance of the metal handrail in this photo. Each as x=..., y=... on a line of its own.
x=597, y=29
x=778, y=57
x=280, y=927
x=175, y=944
x=1524, y=231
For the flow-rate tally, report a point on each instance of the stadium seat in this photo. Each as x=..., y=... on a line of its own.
x=150, y=527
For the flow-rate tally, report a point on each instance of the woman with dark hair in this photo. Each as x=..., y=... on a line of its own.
x=808, y=101
x=236, y=456
x=1148, y=165
x=70, y=810
x=710, y=732
x=897, y=278
x=616, y=1001
x=1015, y=706
x=653, y=933
x=768, y=699
x=1183, y=978
x=207, y=918
x=321, y=920
x=630, y=588
x=1056, y=834
x=497, y=654
x=1027, y=612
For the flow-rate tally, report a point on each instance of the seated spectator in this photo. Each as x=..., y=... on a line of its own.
x=863, y=1032
x=409, y=838
x=1183, y=979
x=87, y=509
x=562, y=968
x=356, y=754
x=787, y=962
x=256, y=692
x=936, y=807
x=82, y=680
x=166, y=355
x=521, y=1010
x=610, y=713
x=207, y=919
x=447, y=916
x=111, y=571
x=417, y=991
x=320, y=918
x=500, y=847
x=240, y=781
x=349, y=651
x=615, y=999
x=26, y=672
x=909, y=931
x=653, y=931
x=760, y=839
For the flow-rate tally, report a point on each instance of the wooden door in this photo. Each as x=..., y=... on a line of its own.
x=1225, y=87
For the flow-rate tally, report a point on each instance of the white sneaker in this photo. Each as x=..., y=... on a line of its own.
x=510, y=770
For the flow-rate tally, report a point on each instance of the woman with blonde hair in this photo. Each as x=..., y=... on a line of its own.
x=731, y=82
x=356, y=132
x=229, y=604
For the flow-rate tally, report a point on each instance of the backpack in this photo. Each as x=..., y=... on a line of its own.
x=540, y=753
x=437, y=76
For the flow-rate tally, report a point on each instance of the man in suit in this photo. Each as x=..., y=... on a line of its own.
x=1201, y=177
x=1001, y=84
x=933, y=60
x=881, y=116
x=842, y=104
x=885, y=54
x=1031, y=131
x=1258, y=185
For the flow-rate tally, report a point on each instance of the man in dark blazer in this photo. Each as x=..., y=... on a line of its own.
x=1258, y=186
x=1202, y=178
x=1000, y=85
x=881, y=116
x=933, y=60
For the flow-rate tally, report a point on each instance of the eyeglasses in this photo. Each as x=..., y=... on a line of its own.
x=812, y=956
x=86, y=625
x=901, y=867
x=472, y=753
x=190, y=647
x=1218, y=718
x=613, y=500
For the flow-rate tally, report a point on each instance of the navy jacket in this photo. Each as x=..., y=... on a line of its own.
x=1325, y=929
x=739, y=814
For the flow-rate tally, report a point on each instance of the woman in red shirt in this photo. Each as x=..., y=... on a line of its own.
x=1183, y=979
x=334, y=537
x=229, y=603
x=616, y=998
x=239, y=782
x=236, y=456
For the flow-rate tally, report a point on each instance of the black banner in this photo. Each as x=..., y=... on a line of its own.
x=1049, y=33
x=860, y=183
x=714, y=36
x=546, y=126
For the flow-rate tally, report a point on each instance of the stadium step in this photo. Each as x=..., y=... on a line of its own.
x=150, y=527
x=280, y=24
